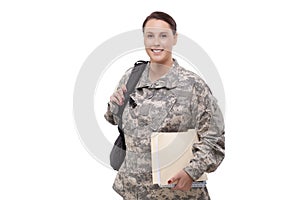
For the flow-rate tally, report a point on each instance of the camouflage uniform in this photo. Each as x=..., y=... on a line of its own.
x=178, y=101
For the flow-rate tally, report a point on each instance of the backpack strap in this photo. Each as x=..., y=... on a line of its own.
x=134, y=78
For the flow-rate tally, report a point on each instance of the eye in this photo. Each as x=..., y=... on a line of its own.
x=164, y=36
x=149, y=36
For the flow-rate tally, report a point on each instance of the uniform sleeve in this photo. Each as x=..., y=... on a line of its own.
x=109, y=116
x=208, y=119
x=112, y=108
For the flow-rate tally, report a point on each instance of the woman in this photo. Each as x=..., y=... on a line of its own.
x=167, y=98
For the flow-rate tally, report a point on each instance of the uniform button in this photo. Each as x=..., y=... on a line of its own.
x=154, y=85
x=150, y=96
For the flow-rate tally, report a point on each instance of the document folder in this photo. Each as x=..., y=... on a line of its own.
x=171, y=152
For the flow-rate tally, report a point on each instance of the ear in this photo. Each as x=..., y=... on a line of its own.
x=175, y=39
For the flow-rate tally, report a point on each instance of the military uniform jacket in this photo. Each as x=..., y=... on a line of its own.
x=178, y=101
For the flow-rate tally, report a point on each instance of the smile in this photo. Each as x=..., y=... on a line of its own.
x=157, y=50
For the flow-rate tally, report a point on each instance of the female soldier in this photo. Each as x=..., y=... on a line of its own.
x=167, y=98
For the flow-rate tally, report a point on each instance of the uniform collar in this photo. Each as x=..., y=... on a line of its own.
x=169, y=80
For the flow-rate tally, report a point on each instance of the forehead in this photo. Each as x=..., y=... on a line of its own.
x=156, y=25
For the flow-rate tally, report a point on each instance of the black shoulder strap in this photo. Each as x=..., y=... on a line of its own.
x=134, y=78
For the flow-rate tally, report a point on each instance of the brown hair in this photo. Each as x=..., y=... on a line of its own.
x=164, y=17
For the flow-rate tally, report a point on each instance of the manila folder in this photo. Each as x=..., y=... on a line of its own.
x=171, y=152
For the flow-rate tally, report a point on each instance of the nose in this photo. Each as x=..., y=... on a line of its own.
x=156, y=41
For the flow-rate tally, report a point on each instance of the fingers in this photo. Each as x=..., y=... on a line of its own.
x=180, y=186
x=118, y=95
x=182, y=180
x=173, y=179
x=123, y=87
x=114, y=99
x=177, y=181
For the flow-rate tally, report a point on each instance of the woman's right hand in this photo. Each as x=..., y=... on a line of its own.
x=118, y=96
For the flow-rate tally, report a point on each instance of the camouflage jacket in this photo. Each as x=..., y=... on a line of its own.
x=178, y=101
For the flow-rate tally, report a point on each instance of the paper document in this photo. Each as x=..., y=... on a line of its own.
x=171, y=152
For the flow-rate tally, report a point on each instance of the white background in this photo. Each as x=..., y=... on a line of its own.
x=43, y=44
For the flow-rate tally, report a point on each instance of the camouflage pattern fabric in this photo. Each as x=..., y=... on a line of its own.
x=178, y=101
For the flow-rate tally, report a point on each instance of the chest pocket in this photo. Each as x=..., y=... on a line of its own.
x=152, y=107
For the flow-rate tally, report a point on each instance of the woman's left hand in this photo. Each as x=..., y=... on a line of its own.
x=183, y=181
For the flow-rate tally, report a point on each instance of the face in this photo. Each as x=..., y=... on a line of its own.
x=159, y=41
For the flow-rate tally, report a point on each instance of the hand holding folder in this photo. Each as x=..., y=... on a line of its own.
x=171, y=152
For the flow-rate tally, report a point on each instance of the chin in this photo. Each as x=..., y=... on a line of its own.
x=159, y=61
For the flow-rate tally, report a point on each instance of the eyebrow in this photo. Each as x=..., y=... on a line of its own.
x=159, y=32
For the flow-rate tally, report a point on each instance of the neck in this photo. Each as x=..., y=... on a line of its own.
x=158, y=70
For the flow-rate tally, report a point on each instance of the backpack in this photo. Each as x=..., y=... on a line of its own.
x=118, y=151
